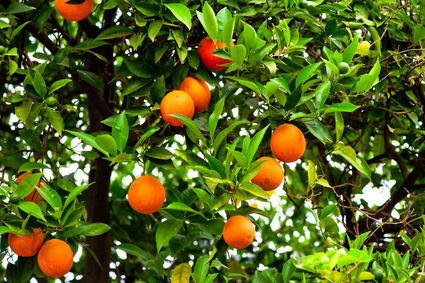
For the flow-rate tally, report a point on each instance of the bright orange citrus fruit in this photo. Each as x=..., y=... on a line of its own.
x=198, y=90
x=74, y=12
x=55, y=258
x=146, y=195
x=287, y=143
x=177, y=102
x=26, y=245
x=238, y=232
x=270, y=175
x=205, y=49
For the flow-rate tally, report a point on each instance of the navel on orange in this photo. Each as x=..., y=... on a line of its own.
x=146, y=195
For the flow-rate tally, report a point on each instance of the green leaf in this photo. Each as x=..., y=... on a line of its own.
x=138, y=68
x=306, y=73
x=191, y=126
x=158, y=89
x=114, y=32
x=166, y=230
x=288, y=271
x=28, y=184
x=22, y=110
x=311, y=173
x=255, y=143
x=58, y=84
x=319, y=130
x=120, y=131
x=209, y=21
x=134, y=250
x=40, y=84
x=342, y=107
x=213, y=120
x=154, y=28
x=349, y=154
x=418, y=33
x=30, y=166
x=107, y=143
x=238, y=53
x=180, y=207
x=74, y=193
x=50, y=196
x=228, y=30
x=220, y=138
x=339, y=126
x=181, y=273
x=86, y=229
x=91, y=78
x=18, y=30
x=253, y=189
x=90, y=140
x=55, y=120
x=349, y=52
x=159, y=153
x=216, y=165
x=32, y=209
x=327, y=210
x=16, y=7
x=321, y=94
x=181, y=12
x=365, y=82
x=148, y=133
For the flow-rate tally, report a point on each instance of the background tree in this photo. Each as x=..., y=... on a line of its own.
x=86, y=96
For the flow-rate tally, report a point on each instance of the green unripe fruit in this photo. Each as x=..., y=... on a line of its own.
x=343, y=68
x=51, y=101
x=14, y=198
x=379, y=274
x=2, y=49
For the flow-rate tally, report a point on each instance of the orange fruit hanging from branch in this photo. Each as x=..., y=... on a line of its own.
x=270, y=175
x=34, y=196
x=55, y=258
x=177, y=102
x=74, y=12
x=146, y=195
x=198, y=90
x=238, y=232
x=287, y=143
x=26, y=245
x=206, y=48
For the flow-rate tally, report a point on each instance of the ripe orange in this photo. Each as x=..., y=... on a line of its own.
x=270, y=175
x=34, y=196
x=26, y=245
x=198, y=90
x=55, y=258
x=238, y=232
x=74, y=12
x=287, y=143
x=177, y=102
x=146, y=195
x=205, y=49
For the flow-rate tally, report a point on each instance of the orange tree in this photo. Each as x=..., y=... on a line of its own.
x=80, y=109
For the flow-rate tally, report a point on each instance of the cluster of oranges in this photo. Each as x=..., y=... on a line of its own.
x=288, y=145
x=55, y=257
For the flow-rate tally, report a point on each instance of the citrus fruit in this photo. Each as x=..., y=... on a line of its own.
x=287, y=143
x=379, y=274
x=198, y=90
x=51, y=101
x=270, y=175
x=177, y=102
x=55, y=258
x=146, y=195
x=205, y=49
x=343, y=68
x=34, y=196
x=238, y=232
x=74, y=12
x=26, y=245
x=14, y=198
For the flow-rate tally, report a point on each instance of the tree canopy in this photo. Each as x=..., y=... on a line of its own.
x=80, y=109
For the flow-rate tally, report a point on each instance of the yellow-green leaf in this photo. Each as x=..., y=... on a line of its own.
x=181, y=273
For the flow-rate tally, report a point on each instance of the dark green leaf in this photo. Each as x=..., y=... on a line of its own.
x=114, y=32
x=86, y=229
x=120, y=131
x=166, y=230
x=91, y=78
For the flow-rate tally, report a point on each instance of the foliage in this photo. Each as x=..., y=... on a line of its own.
x=364, y=129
